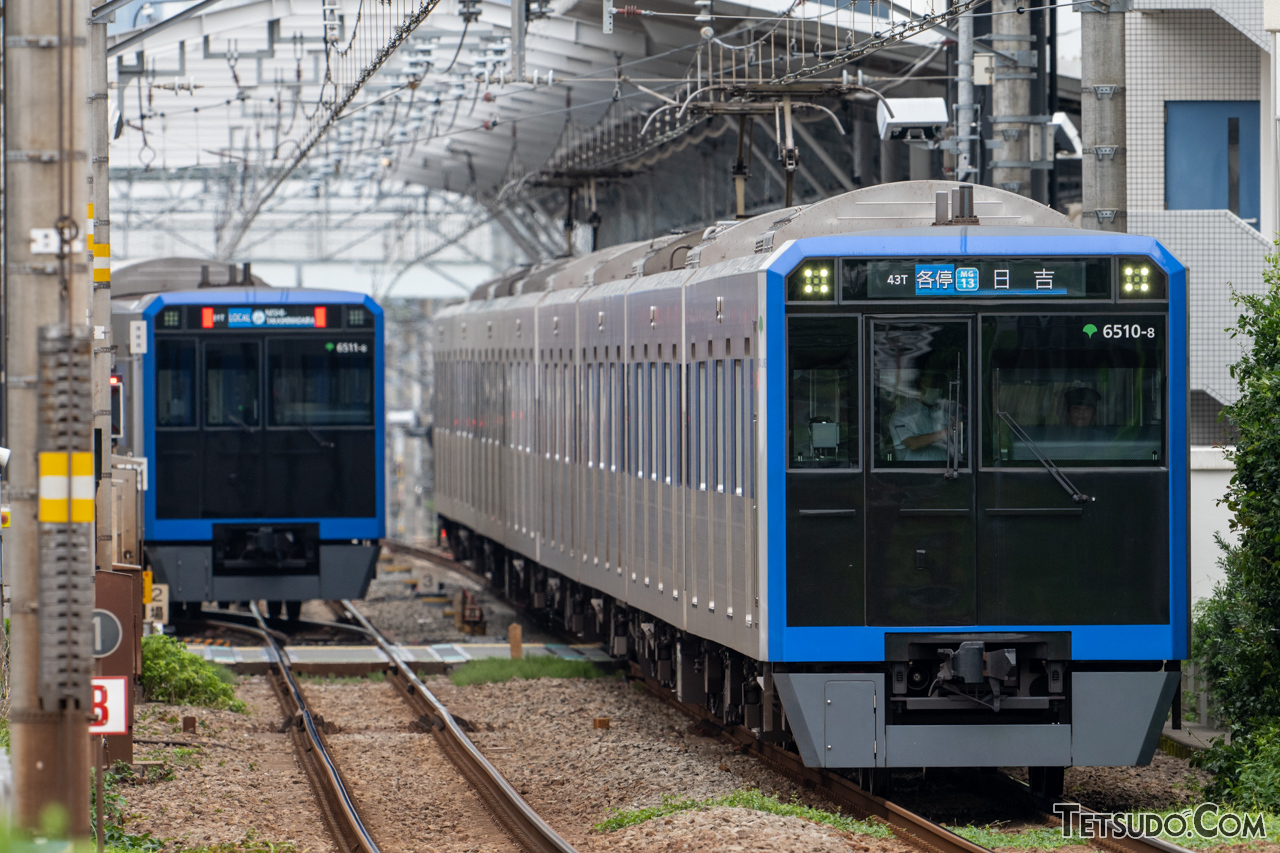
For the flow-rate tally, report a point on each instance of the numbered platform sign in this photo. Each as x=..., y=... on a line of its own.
x=107, y=633
x=110, y=706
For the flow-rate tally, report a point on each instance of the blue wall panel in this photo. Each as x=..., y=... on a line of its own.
x=1195, y=156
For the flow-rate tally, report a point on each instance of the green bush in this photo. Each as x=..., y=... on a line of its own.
x=1235, y=647
x=174, y=675
x=1247, y=771
x=1235, y=640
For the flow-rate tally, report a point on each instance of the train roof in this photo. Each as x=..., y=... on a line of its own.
x=889, y=208
x=160, y=275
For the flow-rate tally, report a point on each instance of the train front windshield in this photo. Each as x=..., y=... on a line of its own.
x=265, y=419
x=977, y=441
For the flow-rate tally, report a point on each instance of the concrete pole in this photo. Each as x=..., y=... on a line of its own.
x=1102, y=99
x=1011, y=96
x=518, y=23
x=46, y=142
x=964, y=98
x=98, y=244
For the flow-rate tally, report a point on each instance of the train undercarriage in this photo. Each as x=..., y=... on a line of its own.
x=937, y=700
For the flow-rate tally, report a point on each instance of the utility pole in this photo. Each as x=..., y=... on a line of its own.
x=98, y=244
x=965, y=107
x=1011, y=41
x=47, y=287
x=1102, y=100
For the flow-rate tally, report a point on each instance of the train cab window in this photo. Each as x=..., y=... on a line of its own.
x=175, y=383
x=1085, y=391
x=822, y=429
x=920, y=393
x=314, y=382
x=231, y=384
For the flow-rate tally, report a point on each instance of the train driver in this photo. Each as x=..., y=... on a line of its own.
x=919, y=424
x=1082, y=406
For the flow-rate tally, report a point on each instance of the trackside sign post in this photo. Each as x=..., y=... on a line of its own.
x=110, y=706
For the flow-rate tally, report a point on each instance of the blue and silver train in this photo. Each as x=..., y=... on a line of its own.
x=260, y=412
x=899, y=478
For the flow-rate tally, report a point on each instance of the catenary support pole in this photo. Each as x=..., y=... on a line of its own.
x=1102, y=100
x=98, y=246
x=47, y=284
x=1011, y=96
x=964, y=99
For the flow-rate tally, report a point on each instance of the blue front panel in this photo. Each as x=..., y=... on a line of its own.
x=197, y=530
x=1088, y=642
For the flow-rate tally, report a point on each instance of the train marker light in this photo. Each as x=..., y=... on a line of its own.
x=1090, y=330
x=322, y=316
x=206, y=318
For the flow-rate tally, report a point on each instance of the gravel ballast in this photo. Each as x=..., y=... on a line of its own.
x=540, y=735
x=244, y=778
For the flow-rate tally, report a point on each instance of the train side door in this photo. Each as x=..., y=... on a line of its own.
x=824, y=472
x=920, y=489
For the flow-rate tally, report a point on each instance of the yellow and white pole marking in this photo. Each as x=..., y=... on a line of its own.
x=66, y=488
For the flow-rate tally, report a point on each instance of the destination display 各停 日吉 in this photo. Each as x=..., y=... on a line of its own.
x=1000, y=277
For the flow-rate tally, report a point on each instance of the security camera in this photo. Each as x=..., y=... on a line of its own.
x=911, y=119
x=4, y=457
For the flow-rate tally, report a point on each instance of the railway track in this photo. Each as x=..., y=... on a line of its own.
x=333, y=794
x=841, y=790
x=504, y=803
x=337, y=806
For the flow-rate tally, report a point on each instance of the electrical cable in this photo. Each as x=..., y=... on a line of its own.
x=466, y=24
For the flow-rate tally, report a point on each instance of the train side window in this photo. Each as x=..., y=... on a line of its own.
x=822, y=425
x=700, y=426
x=667, y=419
x=611, y=430
x=1086, y=391
x=231, y=384
x=739, y=425
x=655, y=422
x=751, y=411
x=677, y=421
x=175, y=383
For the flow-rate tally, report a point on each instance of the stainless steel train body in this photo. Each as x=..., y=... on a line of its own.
x=630, y=440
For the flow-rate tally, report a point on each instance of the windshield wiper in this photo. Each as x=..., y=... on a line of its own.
x=244, y=426
x=327, y=445
x=1076, y=495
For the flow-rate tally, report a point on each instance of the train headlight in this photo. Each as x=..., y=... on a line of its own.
x=812, y=281
x=1140, y=279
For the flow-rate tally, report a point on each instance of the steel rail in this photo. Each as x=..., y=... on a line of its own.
x=337, y=806
x=1118, y=842
x=509, y=809
x=908, y=826
x=435, y=557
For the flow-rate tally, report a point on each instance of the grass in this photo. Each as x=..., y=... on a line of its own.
x=1051, y=838
x=490, y=670
x=1038, y=837
x=743, y=799
x=1196, y=842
